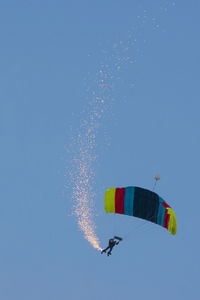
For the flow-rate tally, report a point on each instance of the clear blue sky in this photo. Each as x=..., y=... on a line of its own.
x=50, y=52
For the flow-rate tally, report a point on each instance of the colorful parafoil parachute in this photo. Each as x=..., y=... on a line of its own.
x=140, y=203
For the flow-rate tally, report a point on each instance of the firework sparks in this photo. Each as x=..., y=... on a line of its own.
x=82, y=173
x=108, y=83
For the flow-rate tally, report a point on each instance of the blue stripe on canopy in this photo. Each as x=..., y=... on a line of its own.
x=161, y=212
x=129, y=200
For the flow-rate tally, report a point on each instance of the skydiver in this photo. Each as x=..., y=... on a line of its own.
x=111, y=244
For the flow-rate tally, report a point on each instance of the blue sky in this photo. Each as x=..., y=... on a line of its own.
x=50, y=54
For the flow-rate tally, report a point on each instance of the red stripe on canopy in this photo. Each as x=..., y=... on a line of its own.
x=166, y=219
x=165, y=204
x=119, y=200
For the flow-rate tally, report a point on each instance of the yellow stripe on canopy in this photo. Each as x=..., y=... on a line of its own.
x=172, y=227
x=109, y=201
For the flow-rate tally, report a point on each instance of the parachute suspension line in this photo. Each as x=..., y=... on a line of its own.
x=154, y=186
x=135, y=228
x=117, y=225
x=156, y=177
x=114, y=224
x=144, y=226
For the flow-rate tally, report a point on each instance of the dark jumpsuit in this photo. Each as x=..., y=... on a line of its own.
x=112, y=243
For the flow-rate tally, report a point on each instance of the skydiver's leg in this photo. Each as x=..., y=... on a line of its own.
x=104, y=250
x=109, y=252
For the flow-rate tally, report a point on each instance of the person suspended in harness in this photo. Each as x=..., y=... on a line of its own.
x=111, y=244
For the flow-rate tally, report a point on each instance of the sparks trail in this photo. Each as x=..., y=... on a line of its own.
x=82, y=170
x=107, y=86
x=84, y=155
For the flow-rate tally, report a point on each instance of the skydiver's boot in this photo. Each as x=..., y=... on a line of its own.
x=103, y=251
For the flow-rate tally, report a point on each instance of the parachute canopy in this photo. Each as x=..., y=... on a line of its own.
x=140, y=203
